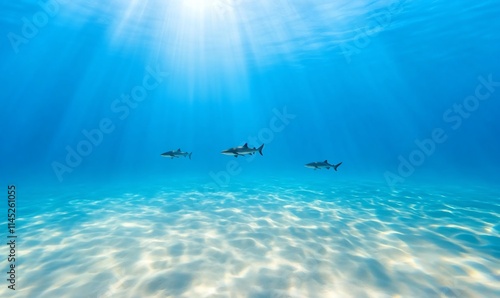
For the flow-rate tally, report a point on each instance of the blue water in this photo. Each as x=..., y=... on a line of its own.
x=404, y=93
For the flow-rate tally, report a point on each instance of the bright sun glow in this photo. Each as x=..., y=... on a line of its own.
x=210, y=5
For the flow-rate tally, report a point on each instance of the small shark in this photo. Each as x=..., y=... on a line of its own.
x=242, y=150
x=322, y=164
x=178, y=153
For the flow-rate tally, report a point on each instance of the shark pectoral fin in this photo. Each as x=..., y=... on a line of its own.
x=327, y=168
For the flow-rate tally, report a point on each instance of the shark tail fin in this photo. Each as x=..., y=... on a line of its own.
x=336, y=166
x=260, y=149
x=190, y=153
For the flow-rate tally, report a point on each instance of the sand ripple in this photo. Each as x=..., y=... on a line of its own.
x=274, y=241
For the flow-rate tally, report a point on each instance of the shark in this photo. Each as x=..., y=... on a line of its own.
x=322, y=164
x=176, y=153
x=242, y=150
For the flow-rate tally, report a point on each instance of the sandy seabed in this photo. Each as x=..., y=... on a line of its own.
x=279, y=240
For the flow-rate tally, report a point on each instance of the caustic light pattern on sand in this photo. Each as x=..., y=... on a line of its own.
x=285, y=240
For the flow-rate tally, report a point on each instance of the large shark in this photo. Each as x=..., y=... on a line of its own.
x=242, y=150
x=322, y=164
x=176, y=153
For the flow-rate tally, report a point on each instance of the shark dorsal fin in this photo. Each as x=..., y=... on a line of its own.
x=246, y=145
x=326, y=161
x=179, y=150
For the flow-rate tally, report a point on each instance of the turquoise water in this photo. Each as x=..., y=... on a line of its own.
x=261, y=238
x=403, y=93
